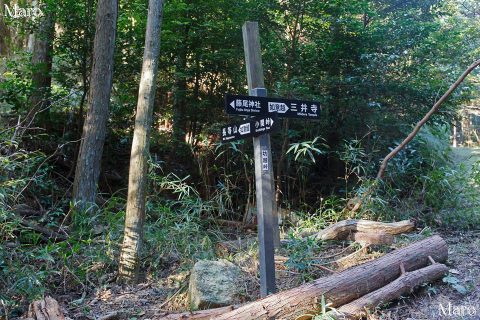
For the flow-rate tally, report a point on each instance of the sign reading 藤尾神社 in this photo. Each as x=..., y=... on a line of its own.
x=263, y=106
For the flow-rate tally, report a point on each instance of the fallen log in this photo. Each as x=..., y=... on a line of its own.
x=233, y=246
x=342, y=230
x=194, y=315
x=24, y=210
x=45, y=309
x=45, y=233
x=343, y=287
x=235, y=224
x=403, y=285
x=366, y=239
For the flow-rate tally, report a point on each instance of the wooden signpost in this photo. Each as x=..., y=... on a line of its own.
x=265, y=111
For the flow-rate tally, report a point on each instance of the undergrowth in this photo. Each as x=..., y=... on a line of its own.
x=179, y=231
x=422, y=182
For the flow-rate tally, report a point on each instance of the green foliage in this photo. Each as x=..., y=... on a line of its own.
x=326, y=313
x=15, y=85
x=301, y=255
x=454, y=282
x=307, y=148
x=424, y=182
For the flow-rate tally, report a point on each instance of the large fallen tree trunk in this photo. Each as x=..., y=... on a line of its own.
x=195, y=315
x=343, y=287
x=342, y=230
x=338, y=289
x=403, y=285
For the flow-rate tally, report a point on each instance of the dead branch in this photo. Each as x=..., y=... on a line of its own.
x=419, y=125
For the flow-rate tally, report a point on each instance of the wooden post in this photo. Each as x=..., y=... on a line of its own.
x=263, y=165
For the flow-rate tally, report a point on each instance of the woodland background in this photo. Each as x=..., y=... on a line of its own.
x=376, y=67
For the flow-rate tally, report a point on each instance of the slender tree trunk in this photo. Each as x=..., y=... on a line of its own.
x=4, y=32
x=87, y=60
x=42, y=66
x=31, y=36
x=420, y=123
x=94, y=129
x=180, y=94
x=137, y=178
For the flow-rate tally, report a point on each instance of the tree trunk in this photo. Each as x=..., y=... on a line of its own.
x=281, y=165
x=402, y=286
x=180, y=93
x=4, y=33
x=343, y=287
x=42, y=42
x=194, y=315
x=94, y=129
x=369, y=238
x=424, y=120
x=137, y=178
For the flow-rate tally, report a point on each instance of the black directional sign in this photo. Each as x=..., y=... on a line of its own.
x=249, y=128
x=262, y=106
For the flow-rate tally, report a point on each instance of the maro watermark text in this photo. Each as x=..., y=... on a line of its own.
x=451, y=310
x=17, y=12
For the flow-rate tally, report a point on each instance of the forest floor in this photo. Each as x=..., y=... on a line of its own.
x=456, y=297
x=149, y=300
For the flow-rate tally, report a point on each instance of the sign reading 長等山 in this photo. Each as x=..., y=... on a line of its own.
x=249, y=128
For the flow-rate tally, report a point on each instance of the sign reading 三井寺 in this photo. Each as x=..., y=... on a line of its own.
x=263, y=106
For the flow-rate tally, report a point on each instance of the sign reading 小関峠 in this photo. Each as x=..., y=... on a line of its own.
x=249, y=128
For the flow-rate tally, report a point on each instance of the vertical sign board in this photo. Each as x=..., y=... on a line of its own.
x=267, y=226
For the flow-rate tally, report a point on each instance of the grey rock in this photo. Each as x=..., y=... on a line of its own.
x=214, y=284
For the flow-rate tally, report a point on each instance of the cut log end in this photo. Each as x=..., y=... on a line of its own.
x=45, y=309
